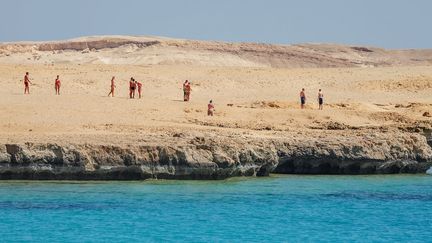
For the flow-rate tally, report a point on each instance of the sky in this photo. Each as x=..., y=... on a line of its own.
x=396, y=24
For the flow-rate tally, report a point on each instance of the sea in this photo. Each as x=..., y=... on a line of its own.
x=279, y=208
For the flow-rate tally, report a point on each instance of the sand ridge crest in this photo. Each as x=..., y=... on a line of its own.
x=142, y=50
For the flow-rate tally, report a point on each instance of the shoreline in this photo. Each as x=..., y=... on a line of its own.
x=206, y=156
x=227, y=180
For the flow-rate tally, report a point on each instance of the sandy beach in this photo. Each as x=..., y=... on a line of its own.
x=253, y=97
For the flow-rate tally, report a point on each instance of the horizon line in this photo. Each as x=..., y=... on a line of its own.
x=195, y=39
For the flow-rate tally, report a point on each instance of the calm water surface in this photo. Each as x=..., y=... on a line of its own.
x=279, y=208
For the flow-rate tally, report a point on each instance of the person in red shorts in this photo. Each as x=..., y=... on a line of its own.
x=57, y=84
x=27, y=83
x=112, y=87
x=139, y=86
x=132, y=87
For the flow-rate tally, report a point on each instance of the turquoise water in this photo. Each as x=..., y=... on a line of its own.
x=275, y=209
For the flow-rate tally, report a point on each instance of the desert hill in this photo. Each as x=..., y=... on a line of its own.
x=164, y=51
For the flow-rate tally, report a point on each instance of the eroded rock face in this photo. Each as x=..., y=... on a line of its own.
x=218, y=158
x=244, y=54
x=92, y=162
x=377, y=153
x=95, y=45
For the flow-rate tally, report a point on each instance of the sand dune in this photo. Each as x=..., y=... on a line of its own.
x=165, y=51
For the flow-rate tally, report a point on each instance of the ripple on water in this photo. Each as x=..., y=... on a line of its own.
x=380, y=196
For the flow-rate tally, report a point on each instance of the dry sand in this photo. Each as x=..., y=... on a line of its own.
x=254, y=95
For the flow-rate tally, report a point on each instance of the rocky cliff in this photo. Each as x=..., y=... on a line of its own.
x=219, y=157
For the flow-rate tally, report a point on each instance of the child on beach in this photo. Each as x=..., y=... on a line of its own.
x=210, y=108
x=57, y=84
x=27, y=82
x=112, y=87
x=302, y=98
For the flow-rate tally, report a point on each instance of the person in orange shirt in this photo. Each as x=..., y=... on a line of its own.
x=132, y=87
x=112, y=87
x=210, y=108
x=27, y=82
x=57, y=84
x=139, y=86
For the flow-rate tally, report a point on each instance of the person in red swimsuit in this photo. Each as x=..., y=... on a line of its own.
x=188, y=90
x=139, y=86
x=210, y=108
x=57, y=84
x=132, y=87
x=27, y=82
x=112, y=87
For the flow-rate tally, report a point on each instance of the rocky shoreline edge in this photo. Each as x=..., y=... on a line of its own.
x=218, y=157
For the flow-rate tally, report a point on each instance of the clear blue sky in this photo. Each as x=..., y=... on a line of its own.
x=384, y=23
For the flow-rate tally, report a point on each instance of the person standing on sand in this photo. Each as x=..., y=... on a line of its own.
x=187, y=91
x=139, y=86
x=27, y=82
x=132, y=88
x=210, y=108
x=320, y=99
x=57, y=84
x=112, y=87
x=184, y=90
x=302, y=98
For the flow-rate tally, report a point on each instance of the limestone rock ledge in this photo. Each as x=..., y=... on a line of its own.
x=218, y=157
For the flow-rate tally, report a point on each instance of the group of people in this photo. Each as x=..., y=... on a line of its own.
x=186, y=97
x=27, y=82
x=134, y=86
x=303, y=99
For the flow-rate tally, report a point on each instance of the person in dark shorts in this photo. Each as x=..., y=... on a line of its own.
x=132, y=87
x=302, y=98
x=320, y=99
